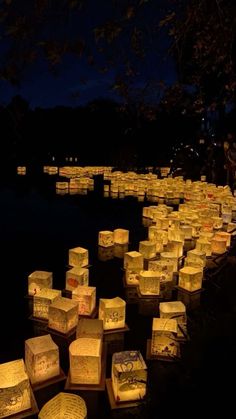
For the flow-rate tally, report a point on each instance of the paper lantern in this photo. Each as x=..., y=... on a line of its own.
x=224, y=235
x=165, y=268
x=170, y=257
x=86, y=298
x=38, y=280
x=196, y=228
x=204, y=246
x=89, y=328
x=21, y=170
x=121, y=236
x=147, y=249
x=217, y=223
x=218, y=245
x=149, y=282
x=162, y=223
x=42, y=301
x=175, y=310
x=85, y=360
x=78, y=257
x=129, y=376
x=190, y=278
x=176, y=247
x=64, y=405
x=106, y=238
x=14, y=388
x=112, y=312
x=133, y=260
x=164, y=332
x=119, y=250
x=226, y=216
x=63, y=315
x=75, y=277
x=175, y=234
x=132, y=276
x=187, y=230
x=196, y=255
x=41, y=358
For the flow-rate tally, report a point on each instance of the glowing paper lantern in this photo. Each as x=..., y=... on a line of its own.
x=175, y=310
x=187, y=230
x=196, y=255
x=218, y=245
x=190, y=278
x=106, y=238
x=165, y=268
x=132, y=276
x=75, y=277
x=164, y=333
x=14, y=388
x=63, y=315
x=129, y=376
x=217, y=223
x=175, y=234
x=149, y=283
x=204, y=246
x=170, y=257
x=78, y=257
x=89, y=328
x=133, y=260
x=64, y=405
x=86, y=298
x=224, y=235
x=38, y=280
x=112, y=312
x=148, y=249
x=121, y=236
x=42, y=301
x=85, y=360
x=41, y=358
x=176, y=247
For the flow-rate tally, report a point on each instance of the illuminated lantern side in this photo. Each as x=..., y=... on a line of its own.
x=149, y=282
x=89, y=328
x=164, y=333
x=64, y=405
x=41, y=358
x=197, y=255
x=129, y=376
x=133, y=260
x=176, y=247
x=42, y=301
x=170, y=257
x=38, y=280
x=226, y=236
x=121, y=236
x=190, y=278
x=147, y=249
x=78, y=256
x=175, y=310
x=218, y=245
x=75, y=277
x=63, y=315
x=85, y=360
x=112, y=313
x=106, y=238
x=165, y=268
x=204, y=246
x=14, y=388
x=86, y=298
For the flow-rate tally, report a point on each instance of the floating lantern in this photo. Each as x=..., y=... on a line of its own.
x=170, y=257
x=89, y=328
x=218, y=245
x=75, y=277
x=190, y=278
x=38, y=280
x=224, y=235
x=217, y=223
x=112, y=313
x=41, y=358
x=64, y=405
x=14, y=388
x=147, y=249
x=42, y=301
x=176, y=247
x=187, y=230
x=196, y=255
x=86, y=298
x=204, y=246
x=63, y=315
x=121, y=236
x=165, y=268
x=106, y=238
x=78, y=257
x=132, y=276
x=149, y=282
x=133, y=260
x=85, y=360
x=163, y=343
x=129, y=376
x=175, y=310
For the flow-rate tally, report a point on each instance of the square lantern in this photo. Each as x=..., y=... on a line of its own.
x=162, y=223
x=63, y=315
x=204, y=246
x=147, y=249
x=42, y=301
x=163, y=343
x=217, y=223
x=121, y=236
x=190, y=278
x=41, y=358
x=187, y=230
x=112, y=312
x=196, y=255
x=224, y=235
x=132, y=276
x=175, y=234
x=85, y=360
x=133, y=260
x=14, y=388
x=75, y=277
x=78, y=257
x=64, y=405
x=175, y=310
x=170, y=257
x=86, y=297
x=38, y=280
x=176, y=247
x=129, y=376
x=89, y=328
x=218, y=245
x=105, y=238
x=196, y=228
x=149, y=283
x=165, y=268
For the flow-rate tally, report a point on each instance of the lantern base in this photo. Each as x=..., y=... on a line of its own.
x=49, y=382
x=33, y=411
x=120, y=330
x=91, y=387
x=168, y=358
x=93, y=315
x=120, y=405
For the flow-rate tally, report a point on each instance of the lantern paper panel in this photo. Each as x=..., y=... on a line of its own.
x=149, y=283
x=176, y=247
x=85, y=360
x=86, y=298
x=121, y=236
x=63, y=315
x=132, y=276
x=164, y=332
x=42, y=301
x=171, y=257
x=225, y=235
x=106, y=238
x=147, y=249
x=90, y=328
x=175, y=310
x=41, y=358
x=64, y=405
x=75, y=277
x=165, y=268
x=204, y=246
x=112, y=312
x=218, y=245
x=14, y=388
x=196, y=255
x=129, y=376
x=133, y=260
x=78, y=256
x=38, y=280
x=198, y=263
x=190, y=278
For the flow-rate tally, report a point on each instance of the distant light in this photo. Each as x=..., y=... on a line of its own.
x=171, y=161
x=203, y=119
